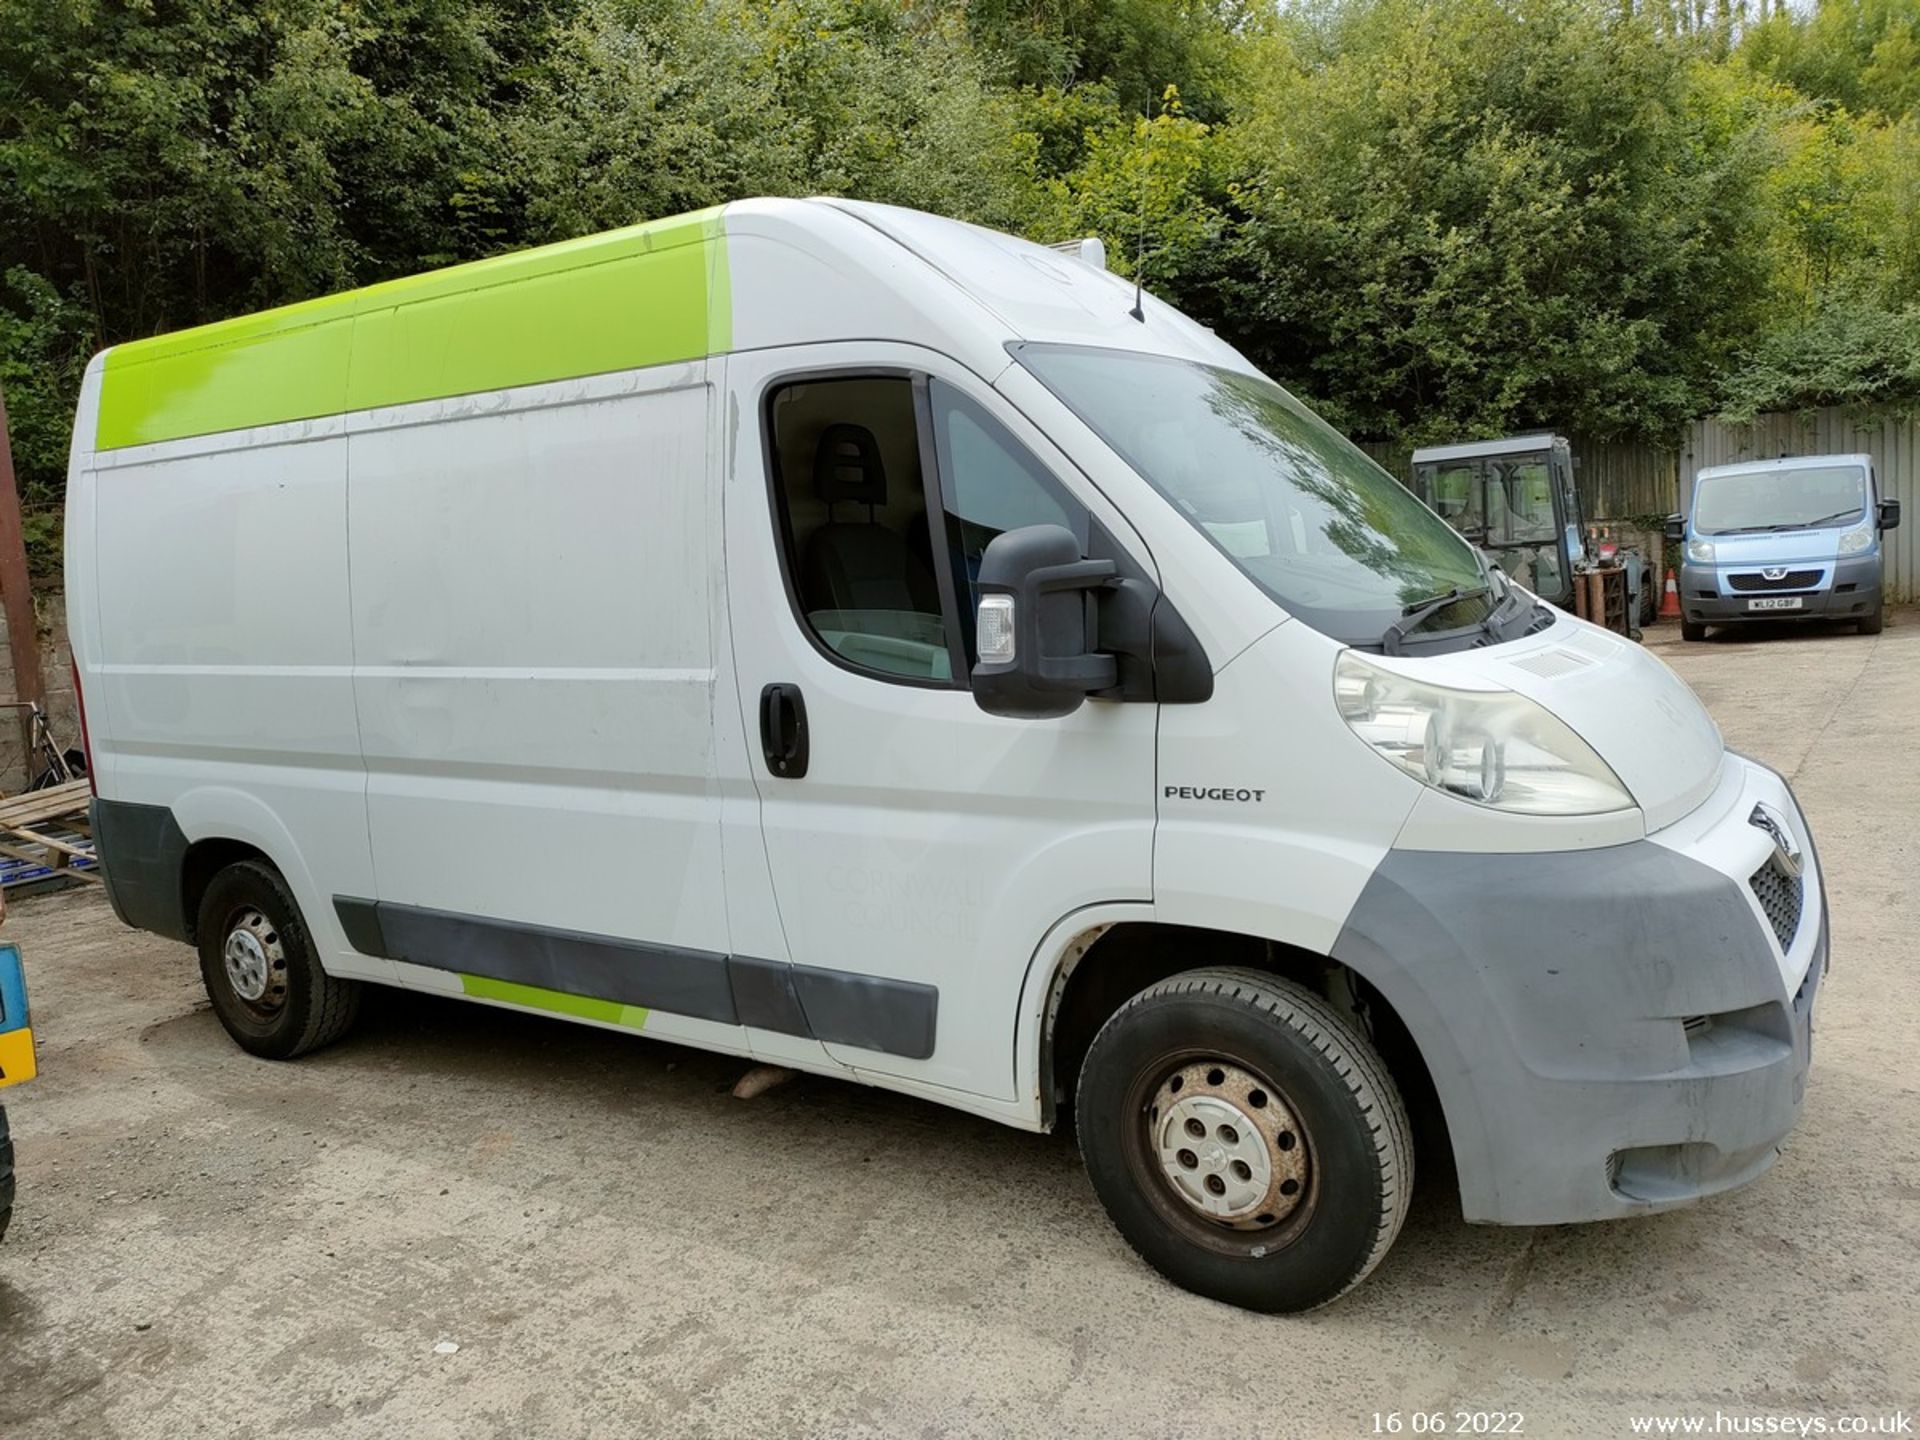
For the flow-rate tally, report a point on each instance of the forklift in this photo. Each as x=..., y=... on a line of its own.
x=1515, y=500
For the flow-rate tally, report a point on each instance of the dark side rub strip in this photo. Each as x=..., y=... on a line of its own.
x=837, y=1007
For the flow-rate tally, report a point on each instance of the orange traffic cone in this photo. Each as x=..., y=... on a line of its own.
x=1670, y=602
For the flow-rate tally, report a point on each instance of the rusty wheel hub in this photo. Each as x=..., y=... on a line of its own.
x=1228, y=1145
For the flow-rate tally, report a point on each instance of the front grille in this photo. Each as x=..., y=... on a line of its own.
x=1792, y=580
x=1780, y=896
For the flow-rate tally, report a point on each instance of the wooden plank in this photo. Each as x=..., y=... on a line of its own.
x=67, y=799
x=67, y=791
x=33, y=814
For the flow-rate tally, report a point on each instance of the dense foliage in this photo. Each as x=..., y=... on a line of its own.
x=1430, y=217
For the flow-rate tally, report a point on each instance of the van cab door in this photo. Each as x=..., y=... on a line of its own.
x=917, y=848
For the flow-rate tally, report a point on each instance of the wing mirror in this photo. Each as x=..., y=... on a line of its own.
x=1889, y=515
x=1676, y=527
x=1038, y=625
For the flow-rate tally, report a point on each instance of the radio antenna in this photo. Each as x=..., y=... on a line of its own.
x=1140, y=230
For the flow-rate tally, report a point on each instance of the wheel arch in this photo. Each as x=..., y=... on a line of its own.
x=1100, y=958
x=202, y=861
x=160, y=858
x=223, y=825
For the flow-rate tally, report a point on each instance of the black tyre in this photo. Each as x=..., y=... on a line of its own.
x=6, y=1174
x=1649, y=597
x=261, y=970
x=1246, y=1140
x=1691, y=631
x=1875, y=620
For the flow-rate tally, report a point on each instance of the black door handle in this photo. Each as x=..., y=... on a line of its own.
x=783, y=730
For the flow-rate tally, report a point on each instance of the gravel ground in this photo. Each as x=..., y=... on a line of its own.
x=212, y=1245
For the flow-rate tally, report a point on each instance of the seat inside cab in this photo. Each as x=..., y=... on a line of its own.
x=853, y=508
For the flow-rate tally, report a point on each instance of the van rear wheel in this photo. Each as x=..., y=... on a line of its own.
x=261, y=969
x=1245, y=1139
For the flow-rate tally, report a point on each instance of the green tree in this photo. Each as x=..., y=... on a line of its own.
x=1135, y=49
x=1436, y=217
x=1477, y=216
x=1159, y=192
x=1862, y=54
x=645, y=109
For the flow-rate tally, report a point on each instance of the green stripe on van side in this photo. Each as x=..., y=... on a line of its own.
x=619, y=301
x=585, y=1007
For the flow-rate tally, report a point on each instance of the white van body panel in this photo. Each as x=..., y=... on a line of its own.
x=487, y=727
x=808, y=273
x=930, y=842
x=224, y=682
x=1276, y=837
x=82, y=559
x=1041, y=296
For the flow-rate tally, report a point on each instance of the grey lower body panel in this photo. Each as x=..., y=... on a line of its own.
x=1608, y=1030
x=142, y=851
x=1853, y=592
x=837, y=1007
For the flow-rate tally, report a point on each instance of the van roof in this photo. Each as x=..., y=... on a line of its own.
x=1479, y=449
x=749, y=275
x=1782, y=462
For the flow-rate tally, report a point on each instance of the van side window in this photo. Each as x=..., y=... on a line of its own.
x=853, y=518
x=991, y=483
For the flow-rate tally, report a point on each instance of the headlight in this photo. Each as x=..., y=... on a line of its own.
x=1700, y=551
x=1493, y=747
x=1854, y=541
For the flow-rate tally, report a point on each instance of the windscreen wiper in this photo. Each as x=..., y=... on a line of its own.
x=1417, y=612
x=1837, y=515
x=1778, y=525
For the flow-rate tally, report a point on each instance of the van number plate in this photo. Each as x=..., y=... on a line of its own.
x=1775, y=602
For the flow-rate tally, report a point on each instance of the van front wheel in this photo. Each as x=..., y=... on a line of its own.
x=261, y=969
x=1245, y=1139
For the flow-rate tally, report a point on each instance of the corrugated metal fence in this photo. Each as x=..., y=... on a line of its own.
x=1622, y=481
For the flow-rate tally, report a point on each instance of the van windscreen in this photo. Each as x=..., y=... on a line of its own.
x=1780, y=499
x=1293, y=504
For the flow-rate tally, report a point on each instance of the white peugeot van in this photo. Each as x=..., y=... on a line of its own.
x=924, y=661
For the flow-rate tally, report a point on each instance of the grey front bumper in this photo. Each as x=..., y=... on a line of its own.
x=1610, y=1031
x=1853, y=592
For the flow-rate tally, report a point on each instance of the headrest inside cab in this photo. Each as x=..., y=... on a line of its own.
x=846, y=466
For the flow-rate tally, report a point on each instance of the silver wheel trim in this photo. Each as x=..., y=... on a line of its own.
x=255, y=962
